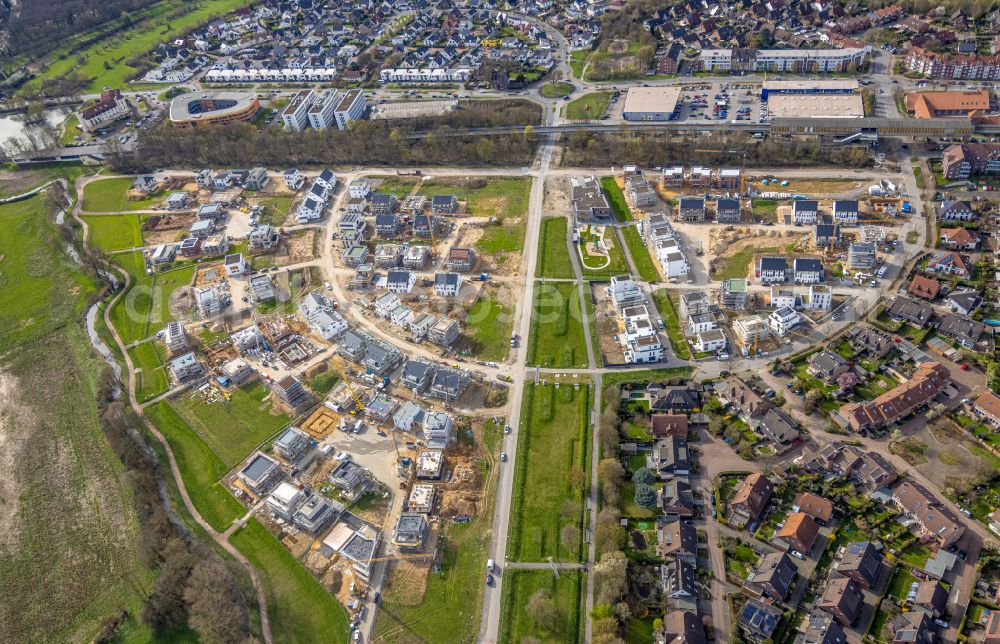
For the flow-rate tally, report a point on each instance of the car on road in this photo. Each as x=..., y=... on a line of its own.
x=796, y=553
x=506, y=429
x=489, y=580
x=503, y=457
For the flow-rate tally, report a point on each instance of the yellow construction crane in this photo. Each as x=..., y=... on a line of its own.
x=336, y=365
x=756, y=340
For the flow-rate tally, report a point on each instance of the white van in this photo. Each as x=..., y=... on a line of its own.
x=489, y=566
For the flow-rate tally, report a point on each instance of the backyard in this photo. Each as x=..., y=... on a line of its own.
x=549, y=482
x=554, y=261
x=557, y=337
x=616, y=199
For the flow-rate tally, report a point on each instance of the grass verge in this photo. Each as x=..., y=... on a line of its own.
x=557, y=338
x=554, y=261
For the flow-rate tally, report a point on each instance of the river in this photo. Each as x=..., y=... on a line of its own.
x=104, y=350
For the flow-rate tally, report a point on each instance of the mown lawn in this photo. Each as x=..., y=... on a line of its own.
x=516, y=625
x=146, y=308
x=235, y=427
x=557, y=338
x=114, y=232
x=200, y=467
x=588, y=107
x=275, y=209
x=640, y=255
x=107, y=60
x=665, y=304
x=111, y=195
x=551, y=476
x=151, y=380
x=556, y=89
x=554, y=261
x=299, y=608
x=488, y=327
x=616, y=198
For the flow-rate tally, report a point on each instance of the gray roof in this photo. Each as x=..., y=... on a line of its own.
x=808, y=264
x=397, y=277
x=805, y=205
x=691, y=202
x=728, y=204
x=773, y=264
x=258, y=467
x=446, y=279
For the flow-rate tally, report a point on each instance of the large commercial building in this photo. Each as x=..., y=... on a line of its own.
x=111, y=107
x=816, y=106
x=966, y=159
x=651, y=103
x=837, y=86
x=212, y=108
x=929, y=105
x=783, y=60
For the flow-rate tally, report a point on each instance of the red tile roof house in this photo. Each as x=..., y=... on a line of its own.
x=950, y=263
x=896, y=404
x=750, y=499
x=924, y=287
x=815, y=506
x=799, y=532
x=663, y=425
x=960, y=238
x=843, y=599
x=930, y=515
x=988, y=407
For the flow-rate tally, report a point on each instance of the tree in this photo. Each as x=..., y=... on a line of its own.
x=611, y=577
x=216, y=609
x=609, y=537
x=848, y=380
x=717, y=425
x=165, y=607
x=570, y=537
x=643, y=475
x=813, y=396
x=610, y=473
x=543, y=610
x=645, y=495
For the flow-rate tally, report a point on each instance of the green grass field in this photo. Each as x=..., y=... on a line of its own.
x=299, y=608
x=918, y=177
x=70, y=130
x=149, y=359
x=146, y=308
x=737, y=265
x=32, y=303
x=399, y=186
x=556, y=89
x=668, y=311
x=594, y=267
x=640, y=254
x=449, y=609
x=765, y=210
x=557, y=338
x=71, y=527
x=21, y=181
x=235, y=427
x=488, y=326
x=588, y=107
x=114, y=232
x=505, y=199
x=516, y=625
x=551, y=477
x=577, y=60
x=200, y=467
x=275, y=209
x=106, y=61
x=111, y=195
x=554, y=261
x=616, y=198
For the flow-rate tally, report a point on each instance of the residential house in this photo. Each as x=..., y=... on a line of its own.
x=929, y=514
x=728, y=211
x=409, y=417
x=783, y=320
x=316, y=513
x=681, y=627
x=417, y=375
x=410, y=531
x=677, y=538
x=826, y=235
x=842, y=599
x=174, y=337
x=285, y=500
x=448, y=384
x=817, y=298
x=869, y=341
x=444, y=204
x=966, y=332
x=400, y=282
x=640, y=194
x=899, y=402
x=263, y=237
x=957, y=211
x=799, y=532
x=805, y=212
x=750, y=499
x=903, y=309
x=815, y=506
x=662, y=425
x=669, y=457
x=860, y=561
x=987, y=407
x=964, y=302
x=380, y=359
x=350, y=478
x=733, y=295
x=692, y=209
x=772, y=270
x=290, y=392
x=862, y=255
x=924, y=287
x=292, y=444
x=959, y=238
x=675, y=498
x=260, y=474
x=256, y=179
x=694, y=303
x=827, y=366
x=186, y=367
x=318, y=312
x=774, y=576
x=678, y=580
x=759, y=620
x=950, y=263
x=382, y=203
x=874, y=472
x=626, y=292
x=710, y=341
x=821, y=629
x=807, y=270
x=447, y=284
x=845, y=212
x=913, y=627
x=932, y=597
x=588, y=201
x=460, y=259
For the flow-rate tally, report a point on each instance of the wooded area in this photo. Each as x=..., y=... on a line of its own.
x=364, y=143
